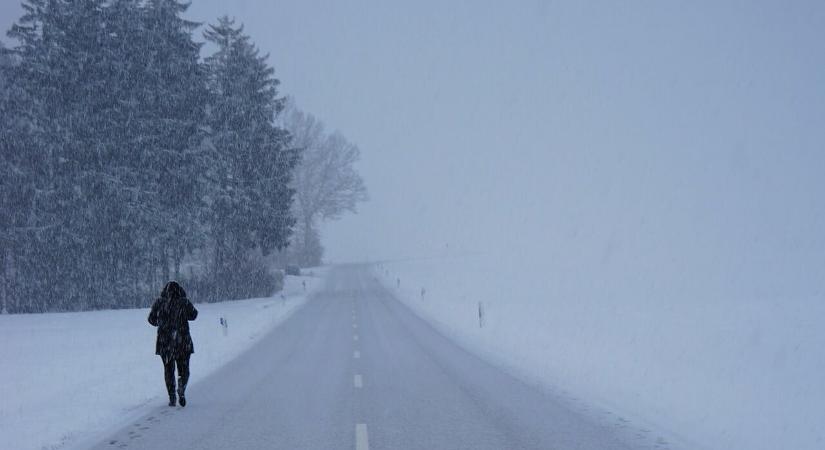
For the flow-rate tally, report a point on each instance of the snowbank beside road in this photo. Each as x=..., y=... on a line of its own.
x=67, y=377
x=723, y=373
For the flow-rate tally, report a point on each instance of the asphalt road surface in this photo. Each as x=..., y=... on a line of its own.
x=354, y=368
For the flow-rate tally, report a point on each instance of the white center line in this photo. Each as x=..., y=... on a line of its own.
x=356, y=354
x=354, y=326
x=358, y=381
x=362, y=441
x=355, y=338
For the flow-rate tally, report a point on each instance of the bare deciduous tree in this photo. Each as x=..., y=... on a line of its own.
x=325, y=181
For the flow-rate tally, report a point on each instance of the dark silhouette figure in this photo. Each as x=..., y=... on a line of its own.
x=171, y=313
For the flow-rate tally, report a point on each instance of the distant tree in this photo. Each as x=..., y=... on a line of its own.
x=251, y=198
x=326, y=182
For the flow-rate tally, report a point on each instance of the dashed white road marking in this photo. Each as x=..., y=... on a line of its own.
x=358, y=381
x=362, y=441
x=355, y=337
x=355, y=326
x=356, y=354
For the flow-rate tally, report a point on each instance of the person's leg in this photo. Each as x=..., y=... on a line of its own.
x=169, y=377
x=183, y=373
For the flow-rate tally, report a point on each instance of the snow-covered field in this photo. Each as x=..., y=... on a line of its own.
x=66, y=378
x=706, y=372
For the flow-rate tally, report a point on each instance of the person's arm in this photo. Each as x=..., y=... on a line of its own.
x=191, y=312
x=153, y=314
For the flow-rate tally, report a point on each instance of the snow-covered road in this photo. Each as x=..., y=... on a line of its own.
x=354, y=368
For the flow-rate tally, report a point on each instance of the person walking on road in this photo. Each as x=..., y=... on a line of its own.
x=171, y=313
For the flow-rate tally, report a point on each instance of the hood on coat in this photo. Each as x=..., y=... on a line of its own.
x=173, y=290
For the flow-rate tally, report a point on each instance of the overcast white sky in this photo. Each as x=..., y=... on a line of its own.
x=489, y=125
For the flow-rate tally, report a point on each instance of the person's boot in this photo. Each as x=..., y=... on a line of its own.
x=181, y=392
x=172, y=400
x=170, y=387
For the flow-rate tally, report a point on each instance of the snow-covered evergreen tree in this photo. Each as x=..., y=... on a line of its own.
x=251, y=199
x=49, y=65
x=121, y=153
x=176, y=96
x=113, y=98
x=10, y=184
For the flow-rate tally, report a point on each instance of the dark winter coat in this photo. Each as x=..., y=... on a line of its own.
x=171, y=313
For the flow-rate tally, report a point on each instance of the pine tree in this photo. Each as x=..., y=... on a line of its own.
x=44, y=79
x=112, y=171
x=113, y=98
x=251, y=203
x=174, y=131
x=11, y=196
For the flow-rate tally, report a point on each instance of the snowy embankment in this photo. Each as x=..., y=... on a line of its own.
x=65, y=378
x=722, y=374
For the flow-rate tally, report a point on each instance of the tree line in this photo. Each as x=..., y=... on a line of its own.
x=127, y=160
